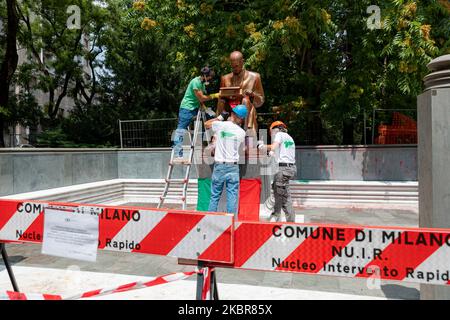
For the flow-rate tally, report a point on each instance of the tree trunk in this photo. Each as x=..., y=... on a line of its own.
x=10, y=61
x=347, y=132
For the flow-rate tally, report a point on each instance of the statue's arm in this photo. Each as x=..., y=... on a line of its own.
x=258, y=99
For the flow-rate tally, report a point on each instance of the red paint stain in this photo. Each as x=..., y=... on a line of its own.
x=332, y=169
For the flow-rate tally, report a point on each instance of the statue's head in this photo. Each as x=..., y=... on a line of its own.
x=237, y=61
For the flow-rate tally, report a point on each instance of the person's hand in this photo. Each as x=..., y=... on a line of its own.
x=271, y=154
x=223, y=116
x=248, y=92
x=260, y=144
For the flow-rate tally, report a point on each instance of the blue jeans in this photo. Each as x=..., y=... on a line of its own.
x=225, y=174
x=184, y=120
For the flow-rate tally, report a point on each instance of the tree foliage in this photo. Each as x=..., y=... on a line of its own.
x=313, y=57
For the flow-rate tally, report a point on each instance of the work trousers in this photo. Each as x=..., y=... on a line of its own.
x=282, y=193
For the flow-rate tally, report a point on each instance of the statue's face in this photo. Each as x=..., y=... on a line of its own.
x=237, y=65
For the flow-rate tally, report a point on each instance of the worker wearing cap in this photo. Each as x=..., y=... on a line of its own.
x=194, y=96
x=229, y=141
x=283, y=148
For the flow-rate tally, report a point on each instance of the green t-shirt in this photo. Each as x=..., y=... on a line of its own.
x=190, y=100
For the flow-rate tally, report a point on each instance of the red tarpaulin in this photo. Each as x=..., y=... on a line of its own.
x=249, y=199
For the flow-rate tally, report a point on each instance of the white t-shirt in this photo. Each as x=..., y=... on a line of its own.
x=229, y=138
x=285, y=153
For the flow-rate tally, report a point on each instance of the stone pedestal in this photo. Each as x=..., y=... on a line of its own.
x=434, y=157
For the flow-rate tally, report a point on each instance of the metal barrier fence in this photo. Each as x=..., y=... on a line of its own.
x=146, y=133
x=158, y=132
x=310, y=129
x=394, y=126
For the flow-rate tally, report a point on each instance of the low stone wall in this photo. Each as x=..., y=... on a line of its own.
x=336, y=163
x=36, y=169
x=25, y=170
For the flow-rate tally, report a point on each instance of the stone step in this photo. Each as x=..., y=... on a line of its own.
x=303, y=192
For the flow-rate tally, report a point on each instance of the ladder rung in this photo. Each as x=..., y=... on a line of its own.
x=184, y=162
x=172, y=197
x=183, y=181
x=194, y=135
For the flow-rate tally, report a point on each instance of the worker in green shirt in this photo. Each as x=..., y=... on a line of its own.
x=194, y=96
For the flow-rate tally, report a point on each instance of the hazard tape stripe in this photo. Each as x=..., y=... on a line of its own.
x=133, y=286
x=396, y=252
x=156, y=232
x=213, y=225
x=362, y=254
x=101, y=292
x=37, y=227
x=206, y=292
x=88, y=294
x=23, y=219
x=437, y=261
x=33, y=296
x=278, y=248
x=7, y=210
x=108, y=229
x=135, y=231
x=219, y=248
x=168, y=233
x=315, y=251
x=249, y=237
x=127, y=287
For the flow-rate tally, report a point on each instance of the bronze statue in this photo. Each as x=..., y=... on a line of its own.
x=251, y=91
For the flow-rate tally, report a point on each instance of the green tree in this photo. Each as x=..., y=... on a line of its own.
x=9, y=60
x=60, y=57
x=314, y=58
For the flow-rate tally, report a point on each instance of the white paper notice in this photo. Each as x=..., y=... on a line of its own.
x=70, y=235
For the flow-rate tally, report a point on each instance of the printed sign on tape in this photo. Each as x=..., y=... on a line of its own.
x=70, y=234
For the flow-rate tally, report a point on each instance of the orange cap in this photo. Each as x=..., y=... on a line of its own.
x=276, y=124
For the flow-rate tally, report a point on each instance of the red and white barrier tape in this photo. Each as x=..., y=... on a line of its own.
x=206, y=292
x=197, y=235
x=401, y=254
x=418, y=255
x=9, y=295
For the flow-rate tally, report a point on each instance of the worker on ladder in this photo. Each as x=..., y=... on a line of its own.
x=229, y=146
x=283, y=148
x=194, y=96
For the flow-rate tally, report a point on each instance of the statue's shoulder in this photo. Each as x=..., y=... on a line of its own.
x=227, y=76
x=254, y=74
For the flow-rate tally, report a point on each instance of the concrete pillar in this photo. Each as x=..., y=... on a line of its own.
x=434, y=157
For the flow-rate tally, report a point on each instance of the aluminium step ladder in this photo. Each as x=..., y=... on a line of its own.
x=185, y=163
